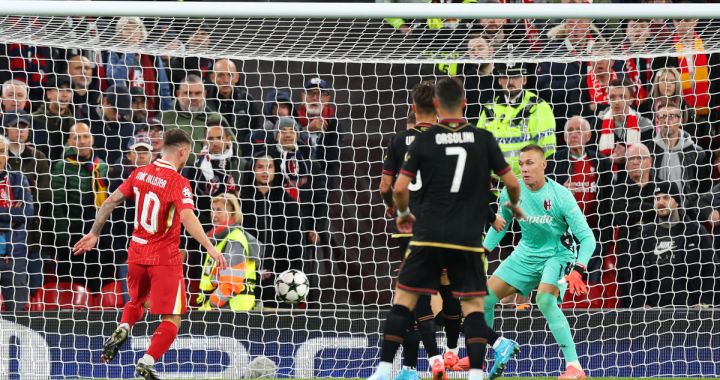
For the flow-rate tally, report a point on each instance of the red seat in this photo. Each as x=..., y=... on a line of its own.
x=61, y=295
x=111, y=296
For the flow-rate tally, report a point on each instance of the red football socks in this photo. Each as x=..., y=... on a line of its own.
x=162, y=339
x=132, y=313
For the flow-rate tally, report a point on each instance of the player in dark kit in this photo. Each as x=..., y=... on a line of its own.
x=455, y=160
x=424, y=117
x=163, y=200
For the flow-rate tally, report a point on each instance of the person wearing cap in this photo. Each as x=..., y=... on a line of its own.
x=518, y=117
x=632, y=206
x=25, y=158
x=216, y=169
x=230, y=99
x=192, y=113
x=51, y=122
x=111, y=125
x=16, y=208
x=679, y=159
x=673, y=262
x=136, y=69
x=318, y=116
x=156, y=132
x=138, y=105
x=138, y=154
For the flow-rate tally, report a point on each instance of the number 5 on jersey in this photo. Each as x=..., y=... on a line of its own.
x=146, y=211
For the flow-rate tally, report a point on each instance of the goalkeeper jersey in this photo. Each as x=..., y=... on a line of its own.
x=551, y=214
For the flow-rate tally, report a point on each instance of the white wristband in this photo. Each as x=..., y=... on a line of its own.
x=404, y=213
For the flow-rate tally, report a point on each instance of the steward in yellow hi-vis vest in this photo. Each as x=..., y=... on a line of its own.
x=518, y=118
x=234, y=286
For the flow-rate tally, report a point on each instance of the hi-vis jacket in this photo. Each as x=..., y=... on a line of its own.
x=516, y=125
x=236, y=284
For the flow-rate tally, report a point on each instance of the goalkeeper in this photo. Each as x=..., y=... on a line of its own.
x=235, y=285
x=544, y=258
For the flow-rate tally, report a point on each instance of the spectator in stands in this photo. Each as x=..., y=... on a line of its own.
x=138, y=70
x=86, y=85
x=632, y=206
x=709, y=203
x=192, y=113
x=666, y=90
x=588, y=175
x=24, y=158
x=139, y=154
x=638, y=69
x=235, y=286
x=271, y=215
x=596, y=84
x=318, y=116
x=216, y=170
x=509, y=39
x=16, y=208
x=517, y=117
x=620, y=125
x=560, y=82
x=232, y=100
x=678, y=159
x=80, y=185
x=14, y=96
x=674, y=262
x=284, y=136
x=52, y=121
x=30, y=64
x=139, y=105
x=478, y=80
x=277, y=103
x=156, y=131
x=111, y=126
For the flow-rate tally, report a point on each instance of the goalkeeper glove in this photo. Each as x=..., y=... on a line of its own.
x=575, y=282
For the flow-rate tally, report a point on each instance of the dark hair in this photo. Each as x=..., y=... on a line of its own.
x=624, y=83
x=411, y=118
x=533, y=147
x=177, y=137
x=449, y=93
x=422, y=96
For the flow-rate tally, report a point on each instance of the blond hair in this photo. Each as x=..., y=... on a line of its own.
x=231, y=200
x=662, y=73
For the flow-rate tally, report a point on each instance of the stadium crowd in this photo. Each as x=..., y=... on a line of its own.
x=636, y=141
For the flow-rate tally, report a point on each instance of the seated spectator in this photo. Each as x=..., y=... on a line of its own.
x=678, y=159
x=15, y=96
x=139, y=105
x=138, y=70
x=596, y=84
x=111, y=126
x=86, y=78
x=233, y=287
x=156, y=133
x=560, y=82
x=588, y=175
x=632, y=207
x=517, y=117
x=277, y=103
x=666, y=89
x=638, y=69
x=620, y=125
x=232, y=101
x=274, y=217
x=284, y=136
x=478, y=80
x=16, y=208
x=192, y=113
x=216, y=170
x=709, y=202
x=24, y=158
x=52, y=121
x=317, y=115
x=674, y=261
x=30, y=64
x=139, y=154
x=80, y=185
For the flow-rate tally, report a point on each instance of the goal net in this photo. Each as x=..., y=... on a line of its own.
x=290, y=119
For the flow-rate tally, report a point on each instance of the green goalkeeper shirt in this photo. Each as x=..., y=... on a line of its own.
x=551, y=214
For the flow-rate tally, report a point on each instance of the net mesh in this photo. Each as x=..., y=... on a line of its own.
x=323, y=214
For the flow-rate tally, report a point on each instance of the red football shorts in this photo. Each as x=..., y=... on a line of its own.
x=163, y=284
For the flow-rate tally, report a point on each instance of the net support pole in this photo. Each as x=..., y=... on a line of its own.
x=356, y=10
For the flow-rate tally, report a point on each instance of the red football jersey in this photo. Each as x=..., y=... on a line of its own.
x=160, y=193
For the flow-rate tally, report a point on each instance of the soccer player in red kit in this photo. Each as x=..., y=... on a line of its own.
x=163, y=200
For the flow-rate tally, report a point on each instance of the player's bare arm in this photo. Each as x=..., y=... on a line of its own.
x=386, y=191
x=513, y=190
x=89, y=241
x=194, y=228
x=401, y=194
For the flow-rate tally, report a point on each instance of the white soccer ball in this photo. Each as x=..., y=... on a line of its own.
x=261, y=367
x=292, y=286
